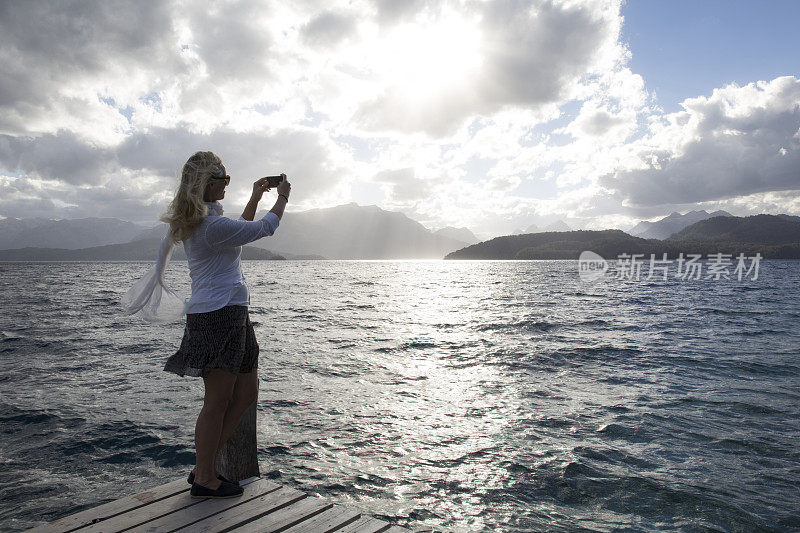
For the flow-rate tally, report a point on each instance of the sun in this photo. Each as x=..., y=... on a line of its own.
x=429, y=57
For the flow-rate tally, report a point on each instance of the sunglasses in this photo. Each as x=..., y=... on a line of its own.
x=220, y=174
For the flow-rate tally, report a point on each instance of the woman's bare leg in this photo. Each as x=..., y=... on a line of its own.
x=219, y=387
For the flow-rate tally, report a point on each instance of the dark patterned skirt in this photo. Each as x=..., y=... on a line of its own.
x=218, y=339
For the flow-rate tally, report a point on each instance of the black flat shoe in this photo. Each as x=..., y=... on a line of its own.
x=220, y=477
x=225, y=490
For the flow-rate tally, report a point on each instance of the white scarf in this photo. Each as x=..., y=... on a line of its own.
x=150, y=297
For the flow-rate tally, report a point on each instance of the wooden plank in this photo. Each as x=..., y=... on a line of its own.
x=287, y=517
x=114, y=508
x=365, y=524
x=248, y=511
x=206, y=508
x=177, y=511
x=331, y=520
x=264, y=506
x=136, y=517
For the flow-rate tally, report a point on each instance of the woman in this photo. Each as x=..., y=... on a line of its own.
x=218, y=343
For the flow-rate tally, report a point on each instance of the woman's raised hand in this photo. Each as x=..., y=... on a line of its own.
x=284, y=187
x=259, y=187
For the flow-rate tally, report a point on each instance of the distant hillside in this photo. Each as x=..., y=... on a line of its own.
x=765, y=229
x=146, y=249
x=157, y=231
x=552, y=245
x=459, y=234
x=352, y=231
x=558, y=225
x=347, y=231
x=71, y=234
x=533, y=228
x=661, y=229
x=610, y=244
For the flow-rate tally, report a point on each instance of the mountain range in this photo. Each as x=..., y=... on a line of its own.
x=773, y=236
x=458, y=234
x=558, y=225
x=766, y=229
x=672, y=223
x=351, y=231
x=347, y=231
x=144, y=249
x=71, y=234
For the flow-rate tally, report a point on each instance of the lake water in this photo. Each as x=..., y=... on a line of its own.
x=474, y=396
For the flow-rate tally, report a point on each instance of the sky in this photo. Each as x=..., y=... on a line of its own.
x=490, y=115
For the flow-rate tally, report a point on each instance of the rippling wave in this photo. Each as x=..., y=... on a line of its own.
x=473, y=396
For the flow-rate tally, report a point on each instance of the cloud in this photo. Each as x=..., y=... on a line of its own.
x=536, y=50
x=738, y=141
x=70, y=50
x=597, y=121
x=232, y=40
x=143, y=170
x=63, y=156
x=518, y=54
x=303, y=154
x=314, y=165
x=520, y=107
x=127, y=196
x=204, y=64
x=22, y=198
x=394, y=11
x=328, y=28
x=405, y=186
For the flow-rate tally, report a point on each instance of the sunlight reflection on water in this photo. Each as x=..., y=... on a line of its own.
x=473, y=395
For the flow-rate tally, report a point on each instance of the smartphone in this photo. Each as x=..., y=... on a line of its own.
x=273, y=181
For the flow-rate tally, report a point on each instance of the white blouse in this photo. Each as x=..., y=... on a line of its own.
x=214, y=252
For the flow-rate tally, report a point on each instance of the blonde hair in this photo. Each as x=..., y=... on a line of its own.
x=187, y=208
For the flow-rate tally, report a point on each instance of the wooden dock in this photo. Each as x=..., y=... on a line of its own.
x=264, y=506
